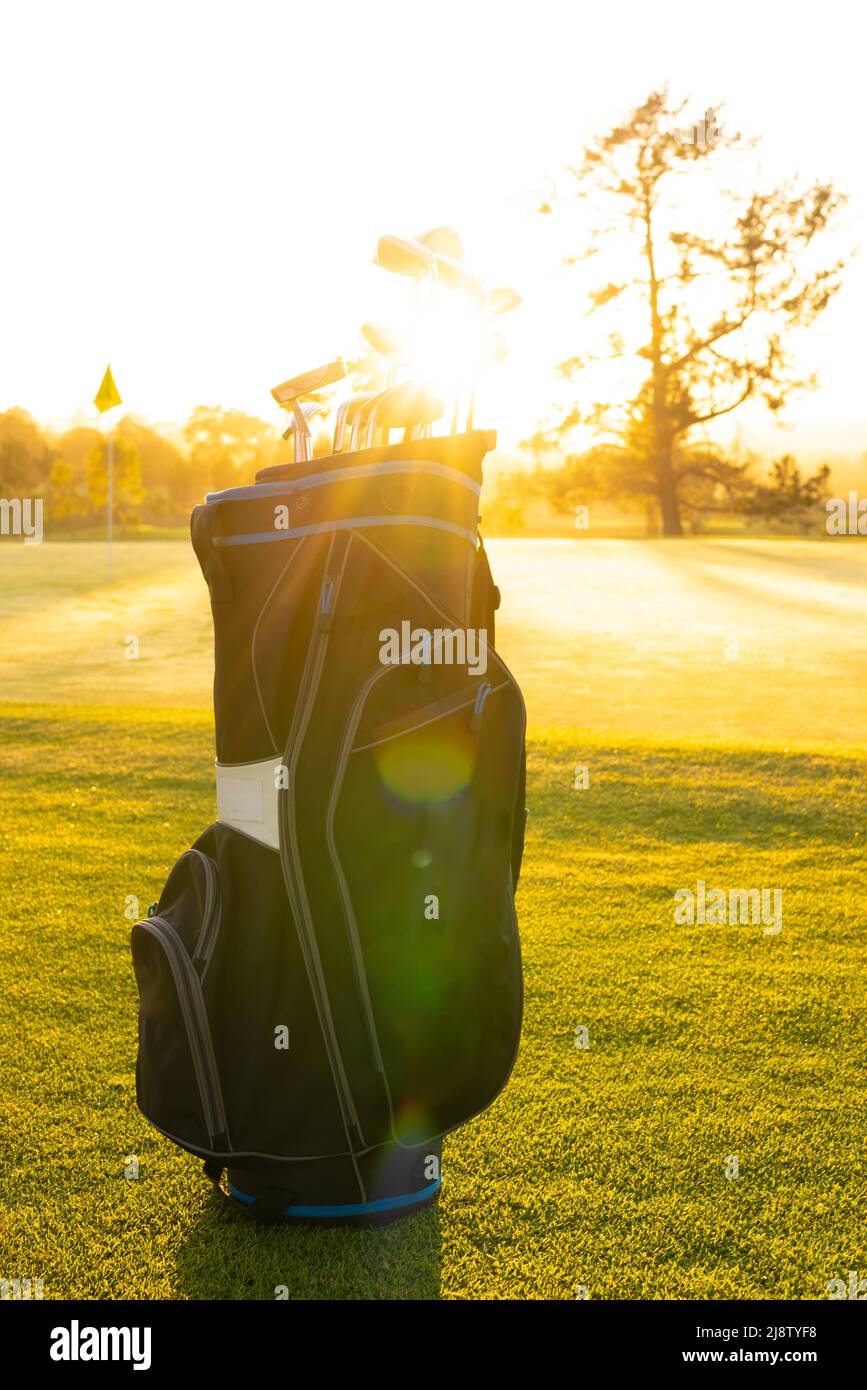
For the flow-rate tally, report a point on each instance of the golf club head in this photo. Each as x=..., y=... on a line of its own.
x=443, y=241
x=315, y=380
x=384, y=341
x=404, y=407
x=406, y=256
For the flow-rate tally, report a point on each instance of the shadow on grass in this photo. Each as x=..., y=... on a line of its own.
x=705, y=568
x=226, y=1256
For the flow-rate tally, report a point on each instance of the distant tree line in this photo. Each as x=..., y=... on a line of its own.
x=736, y=492
x=711, y=486
x=158, y=476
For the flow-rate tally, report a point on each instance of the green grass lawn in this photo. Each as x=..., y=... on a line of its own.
x=602, y=1167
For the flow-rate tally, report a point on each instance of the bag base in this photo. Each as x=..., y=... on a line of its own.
x=395, y=1182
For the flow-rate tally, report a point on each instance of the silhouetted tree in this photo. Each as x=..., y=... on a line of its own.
x=709, y=484
x=718, y=311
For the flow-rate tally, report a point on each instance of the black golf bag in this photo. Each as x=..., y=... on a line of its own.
x=331, y=979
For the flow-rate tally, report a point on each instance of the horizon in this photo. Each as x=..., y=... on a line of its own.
x=847, y=448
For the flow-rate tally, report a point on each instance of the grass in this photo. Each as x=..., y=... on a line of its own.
x=601, y=1167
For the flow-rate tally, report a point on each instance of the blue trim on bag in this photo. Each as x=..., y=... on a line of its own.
x=346, y=524
x=349, y=1208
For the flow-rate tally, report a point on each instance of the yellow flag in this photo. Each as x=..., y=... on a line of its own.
x=108, y=395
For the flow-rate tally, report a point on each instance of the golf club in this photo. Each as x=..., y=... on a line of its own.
x=406, y=256
x=408, y=406
x=308, y=411
x=361, y=416
x=345, y=416
x=288, y=394
x=386, y=342
x=390, y=346
x=410, y=257
x=443, y=241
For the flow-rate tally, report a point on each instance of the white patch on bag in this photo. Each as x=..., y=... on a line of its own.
x=240, y=799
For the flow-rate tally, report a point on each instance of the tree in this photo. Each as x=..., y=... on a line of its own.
x=25, y=455
x=505, y=507
x=716, y=486
x=788, y=496
x=68, y=493
x=128, y=491
x=715, y=310
x=167, y=481
x=227, y=447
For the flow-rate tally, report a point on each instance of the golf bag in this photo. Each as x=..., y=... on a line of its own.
x=331, y=979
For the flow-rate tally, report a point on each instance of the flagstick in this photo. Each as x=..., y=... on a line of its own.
x=110, y=507
x=106, y=398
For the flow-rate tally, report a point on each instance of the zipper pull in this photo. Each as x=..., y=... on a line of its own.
x=325, y=614
x=483, y=693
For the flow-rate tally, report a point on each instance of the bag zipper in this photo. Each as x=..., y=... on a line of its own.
x=211, y=913
x=348, y=911
x=197, y=1028
x=474, y=695
x=289, y=857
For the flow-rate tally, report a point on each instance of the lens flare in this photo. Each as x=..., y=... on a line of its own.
x=448, y=344
x=412, y=1123
x=432, y=764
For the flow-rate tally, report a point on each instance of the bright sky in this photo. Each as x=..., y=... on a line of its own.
x=195, y=190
